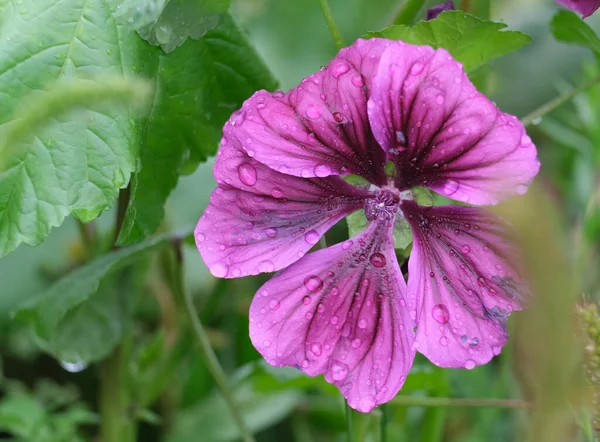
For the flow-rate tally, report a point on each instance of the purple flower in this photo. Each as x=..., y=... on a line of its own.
x=583, y=7
x=435, y=11
x=346, y=311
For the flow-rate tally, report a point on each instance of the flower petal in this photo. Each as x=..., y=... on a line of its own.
x=442, y=133
x=436, y=10
x=319, y=128
x=259, y=220
x=583, y=7
x=463, y=271
x=341, y=311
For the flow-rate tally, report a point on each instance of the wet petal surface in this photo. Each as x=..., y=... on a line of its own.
x=463, y=271
x=259, y=220
x=342, y=312
x=319, y=128
x=442, y=133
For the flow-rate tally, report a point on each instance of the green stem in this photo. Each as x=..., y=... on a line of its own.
x=349, y=423
x=212, y=362
x=558, y=101
x=333, y=29
x=384, y=421
x=408, y=13
x=416, y=401
x=117, y=423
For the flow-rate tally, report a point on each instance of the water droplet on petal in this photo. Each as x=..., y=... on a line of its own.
x=450, y=187
x=470, y=364
x=521, y=189
x=338, y=117
x=274, y=304
x=267, y=343
x=358, y=81
x=440, y=99
x=340, y=69
x=466, y=248
x=347, y=244
x=525, y=141
x=378, y=260
x=346, y=329
x=334, y=320
x=238, y=118
x=200, y=237
x=338, y=371
x=356, y=343
x=313, y=111
x=271, y=232
x=311, y=237
x=443, y=341
x=322, y=170
x=313, y=283
x=219, y=269
x=440, y=313
x=278, y=94
x=362, y=323
x=266, y=267
x=416, y=68
x=306, y=300
x=277, y=192
x=316, y=349
x=247, y=174
x=366, y=404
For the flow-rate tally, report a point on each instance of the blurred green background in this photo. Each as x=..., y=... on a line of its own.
x=283, y=405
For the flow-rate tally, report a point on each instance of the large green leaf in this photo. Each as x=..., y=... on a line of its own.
x=74, y=320
x=471, y=41
x=74, y=163
x=569, y=28
x=198, y=86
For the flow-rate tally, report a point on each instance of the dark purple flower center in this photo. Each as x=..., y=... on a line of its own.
x=383, y=206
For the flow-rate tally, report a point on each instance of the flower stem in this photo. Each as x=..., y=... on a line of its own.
x=335, y=32
x=406, y=15
x=457, y=402
x=384, y=422
x=212, y=362
x=556, y=102
x=349, y=423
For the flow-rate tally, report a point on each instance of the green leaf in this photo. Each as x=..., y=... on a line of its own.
x=198, y=86
x=567, y=27
x=471, y=41
x=20, y=414
x=62, y=314
x=72, y=163
x=211, y=419
x=183, y=19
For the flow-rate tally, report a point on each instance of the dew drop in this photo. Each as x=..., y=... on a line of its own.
x=313, y=111
x=305, y=363
x=356, y=343
x=470, y=364
x=334, y=320
x=322, y=170
x=416, y=68
x=466, y=248
x=362, y=323
x=443, y=341
x=340, y=69
x=450, y=187
x=521, y=189
x=219, y=269
x=358, y=81
x=266, y=267
x=274, y=304
x=306, y=300
x=440, y=313
x=313, y=283
x=311, y=237
x=366, y=404
x=481, y=281
x=338, y=117
x=378, y=260
x=271, y=232
x=277, y=192
x=247, y=174
x=316, y=349
x=200, y=237
x=278, y=94
x=267, y=343
x=400, y=137
x=238, y=118
x=525, y=141
x=347, y=244
x=338, y=371
x=440, y=99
